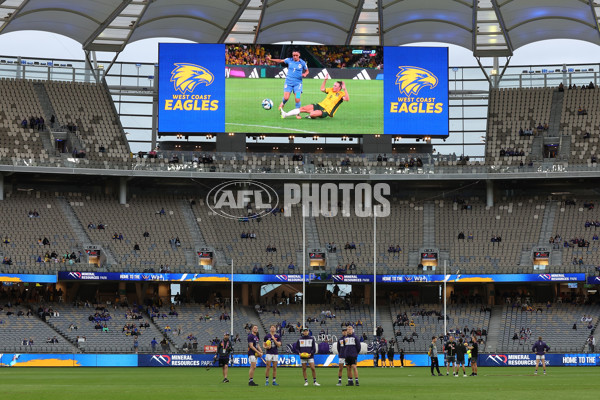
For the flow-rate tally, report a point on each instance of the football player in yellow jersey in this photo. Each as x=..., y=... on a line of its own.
x=326, y=108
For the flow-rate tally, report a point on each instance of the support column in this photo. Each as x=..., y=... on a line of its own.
x=1, y=187
x=489, y=193
x=491, y=294
x=245, y=294
x=367, y=294
x=497, y=69
x=123, y=290
x=123, y=190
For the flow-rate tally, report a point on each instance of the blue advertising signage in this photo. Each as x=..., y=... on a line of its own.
x=191, y=83
x=593, y=280
x=481, y=278
x=528, y=360
x=292, y=278
x=416, y=91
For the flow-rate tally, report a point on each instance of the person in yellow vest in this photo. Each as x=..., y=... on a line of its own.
x=336, y=95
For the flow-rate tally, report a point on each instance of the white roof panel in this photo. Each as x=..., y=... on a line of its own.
x=109, y=25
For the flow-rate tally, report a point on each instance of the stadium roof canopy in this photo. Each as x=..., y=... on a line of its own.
x=487, y=27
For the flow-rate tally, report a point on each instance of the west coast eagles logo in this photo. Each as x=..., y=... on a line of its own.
x=411, y=80
x=186, y=77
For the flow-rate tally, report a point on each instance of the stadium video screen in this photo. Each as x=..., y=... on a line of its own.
x=208, y=88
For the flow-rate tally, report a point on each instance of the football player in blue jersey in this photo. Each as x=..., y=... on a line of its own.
x=297, y=70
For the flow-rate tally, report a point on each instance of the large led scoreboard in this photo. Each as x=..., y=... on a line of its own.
x=200, y=93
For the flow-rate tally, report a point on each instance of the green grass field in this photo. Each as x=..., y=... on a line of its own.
x=197, y=383
x=244, y=113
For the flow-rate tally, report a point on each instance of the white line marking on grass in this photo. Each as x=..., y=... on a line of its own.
x=271, y=127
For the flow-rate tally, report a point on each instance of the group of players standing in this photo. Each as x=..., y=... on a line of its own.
x=348, y=349
x=454, y=355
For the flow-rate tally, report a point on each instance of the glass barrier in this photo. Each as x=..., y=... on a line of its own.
x=311, y=164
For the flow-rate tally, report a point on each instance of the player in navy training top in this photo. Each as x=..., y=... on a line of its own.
x=351, y=350
x=271, y=342
x=341, y=356
x=307, y=347
x=254, y=351
x=540, y=348
x=297, y=70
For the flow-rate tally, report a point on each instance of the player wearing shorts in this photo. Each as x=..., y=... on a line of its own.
x=540, y=348
x=224, y=349
x=254, y=351
x=297, y=70
x=336, y=95
x=383, y=346
x=391, y=352
x=307, y=347
x=341, y=356
x=271, y=343
x=461, y=350
x=474, y=347
x=450, y=351
x=351, y=351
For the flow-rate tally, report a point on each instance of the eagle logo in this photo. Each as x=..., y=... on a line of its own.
x=186, y=77
x=411, y=80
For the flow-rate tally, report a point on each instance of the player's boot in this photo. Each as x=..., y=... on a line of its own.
x=282, y=113
x=275, y=384
x=315, y=383
x=225, y=380
x=305, y=383
x=252, y=383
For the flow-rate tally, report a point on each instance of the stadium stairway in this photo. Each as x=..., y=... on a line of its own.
x=192, y=223
x=64, y=336
x=332, y=260
x=556, y=113
x=385, y=319
x=248, y=315
x=161, y=334
x=537, y=147
x=547, y=229
x=79, y=230
x=494, y=331
x=312, y=234
x=429, y=224
x=44, y=100
x=564, y=149
x=525, y=260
